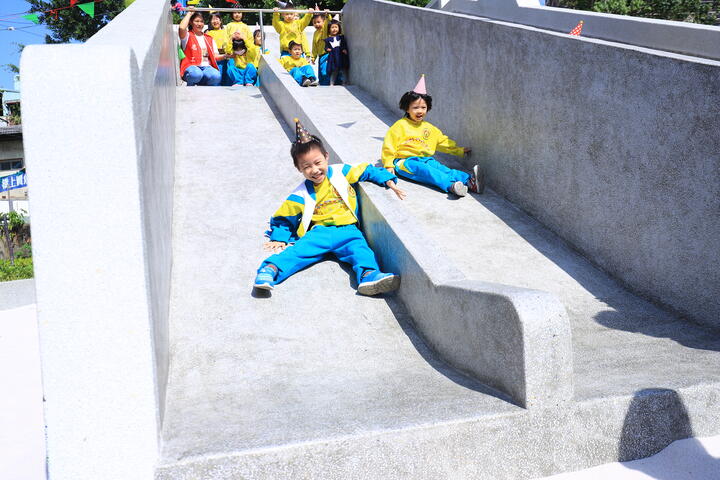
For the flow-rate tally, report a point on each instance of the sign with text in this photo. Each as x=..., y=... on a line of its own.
x=11, y=182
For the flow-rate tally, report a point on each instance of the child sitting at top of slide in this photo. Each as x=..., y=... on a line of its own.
x=290, y=28
x=321, y=217
x=237, y=25
x=411, y=142
x=298, y=66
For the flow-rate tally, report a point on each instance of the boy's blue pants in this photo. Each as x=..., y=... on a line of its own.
x=429, y=171
x=323, y=74
x=346, y=242
x=299, y=72
x=242, y=76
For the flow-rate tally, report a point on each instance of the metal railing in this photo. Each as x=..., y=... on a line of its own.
x=260, y=11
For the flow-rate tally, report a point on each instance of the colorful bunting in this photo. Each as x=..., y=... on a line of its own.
x=578, y=28
x=88, y=8
x=32, y=17
x=73, y=2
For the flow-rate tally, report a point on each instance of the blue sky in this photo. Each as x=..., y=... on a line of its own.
x=28, y=36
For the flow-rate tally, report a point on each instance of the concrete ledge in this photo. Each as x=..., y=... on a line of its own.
x=512, y=339
x=680, y=37
x=17, y=293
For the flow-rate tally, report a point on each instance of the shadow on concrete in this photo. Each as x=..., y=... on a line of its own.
x=656, y=417
x=624, y=310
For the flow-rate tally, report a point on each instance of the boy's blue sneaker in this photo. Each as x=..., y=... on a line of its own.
x=378, y=282
x=265, y=279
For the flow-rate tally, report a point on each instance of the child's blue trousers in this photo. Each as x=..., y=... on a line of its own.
x=299, y=72
x=346, y=242
x=429, y=171
x=242, y=76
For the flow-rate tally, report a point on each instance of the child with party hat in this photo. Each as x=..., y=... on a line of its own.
x=321, y=216
x=411, y=142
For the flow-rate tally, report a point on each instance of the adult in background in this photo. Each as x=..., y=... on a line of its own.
x=199, y=67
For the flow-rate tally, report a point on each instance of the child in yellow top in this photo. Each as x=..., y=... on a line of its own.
x=222, y=41
x=411, y=142
x=321, y=217
x=299, y=67
x=237, y=25
x=320, y=22
x=290, y=28
x=242, y=70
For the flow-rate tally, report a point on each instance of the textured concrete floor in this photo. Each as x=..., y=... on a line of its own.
x=621, y=343
x=312, y=361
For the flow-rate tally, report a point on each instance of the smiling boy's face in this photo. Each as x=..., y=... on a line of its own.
x=313, y=165
x=288, y=17
x=417, y=110
x=318, y=22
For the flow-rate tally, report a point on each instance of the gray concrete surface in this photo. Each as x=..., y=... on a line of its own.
x=314, y=363
x=515, y=340
x=680, y=37
x=17, y=293
x=101, y=255
x=610, y=146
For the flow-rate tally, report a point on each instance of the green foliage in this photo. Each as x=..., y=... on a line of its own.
x=25, y=251
x=22, y=269
x=73, y=24
x=696, y=11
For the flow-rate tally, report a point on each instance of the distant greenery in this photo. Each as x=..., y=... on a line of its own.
x=73, y=23
x=695, y=11
x=22, y=269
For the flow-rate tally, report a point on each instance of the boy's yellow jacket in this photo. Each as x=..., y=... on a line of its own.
x=412, y=139
x=319, y=36
x=291, y=31
x=252, y=55
x=333, y=202
x=289, y=63
x=244, y=30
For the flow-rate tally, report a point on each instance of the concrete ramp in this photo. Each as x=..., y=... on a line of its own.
x=254, y=379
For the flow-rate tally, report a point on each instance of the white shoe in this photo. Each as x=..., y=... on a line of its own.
x=459, y=189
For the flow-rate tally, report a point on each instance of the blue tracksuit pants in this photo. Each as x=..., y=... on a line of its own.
x=346, y=242
x=299, y=72
x=429, y=171
x=243, y=76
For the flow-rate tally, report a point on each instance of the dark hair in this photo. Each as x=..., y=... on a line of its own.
x=213, y=15
x=256, y=32
x=318, y=14
x=192, y=18
x=239, y=45
x=410, y=97
x=298, y=148
x=335, y=22
x=292, y=44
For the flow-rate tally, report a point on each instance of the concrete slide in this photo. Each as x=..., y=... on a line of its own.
x=316, y=381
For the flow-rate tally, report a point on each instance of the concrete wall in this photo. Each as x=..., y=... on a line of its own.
x=679, y=37
x=99, y=123
x=613, y=147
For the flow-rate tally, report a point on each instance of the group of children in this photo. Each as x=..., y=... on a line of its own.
x=223, y=55
x=230, y=55
x=321, y=215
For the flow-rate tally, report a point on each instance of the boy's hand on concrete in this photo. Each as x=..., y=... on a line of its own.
x=274, y=246
x=400, y=193
x=467, y=150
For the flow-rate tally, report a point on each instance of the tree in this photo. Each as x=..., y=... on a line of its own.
x=72, y=23
x=696, y=11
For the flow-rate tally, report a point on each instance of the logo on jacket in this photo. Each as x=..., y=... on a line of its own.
x=426, y=133
x=351, y=191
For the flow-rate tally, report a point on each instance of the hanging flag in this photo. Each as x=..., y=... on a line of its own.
x=234, y=2
x=73, y=2
x=88, y=8
x=32, y=17
x=578, y=28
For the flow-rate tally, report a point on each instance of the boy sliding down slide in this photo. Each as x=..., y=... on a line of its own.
x=321, y=217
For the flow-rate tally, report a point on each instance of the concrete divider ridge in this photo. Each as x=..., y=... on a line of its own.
x=512, y=339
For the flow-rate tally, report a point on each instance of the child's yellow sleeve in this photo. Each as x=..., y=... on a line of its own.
x=276, y=23
x=389, y=148
x=445, y=145
x=305, y=46
x=305, y=21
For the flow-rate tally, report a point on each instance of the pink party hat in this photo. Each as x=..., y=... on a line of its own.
x=420, y=87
